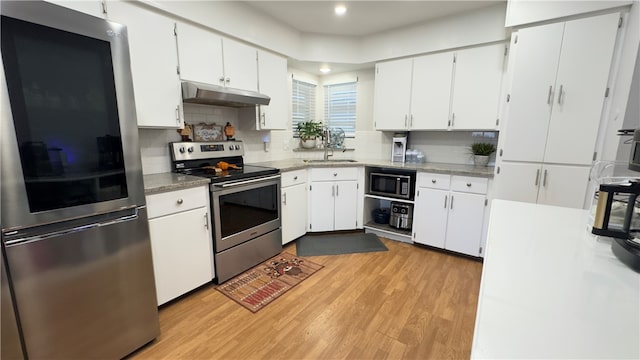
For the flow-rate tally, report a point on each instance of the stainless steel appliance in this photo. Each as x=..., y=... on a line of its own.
x=392, y=183
x=399, y=147
x=74, y=224
x=245, y=203
x=401, y=215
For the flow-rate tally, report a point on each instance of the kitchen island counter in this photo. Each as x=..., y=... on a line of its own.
x=550, y=289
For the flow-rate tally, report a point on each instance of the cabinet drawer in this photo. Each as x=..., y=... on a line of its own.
x=294, y=177
x=468, y=184
x=434, y=181
x=175, y=201
x=331, y=174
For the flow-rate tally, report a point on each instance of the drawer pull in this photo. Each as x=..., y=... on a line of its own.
x=433, y=181
x=180, y=201
x=335, y=174
x=468, y=184
x=295, y=178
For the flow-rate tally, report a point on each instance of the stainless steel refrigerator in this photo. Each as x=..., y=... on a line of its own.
x=75, y=236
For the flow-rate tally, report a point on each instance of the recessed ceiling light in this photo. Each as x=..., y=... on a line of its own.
x=325, y=69
x=340, y=10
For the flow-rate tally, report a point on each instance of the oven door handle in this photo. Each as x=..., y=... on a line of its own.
x=245, y=182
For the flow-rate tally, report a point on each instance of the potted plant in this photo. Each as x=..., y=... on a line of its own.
x=309, y=131
x=481, y=152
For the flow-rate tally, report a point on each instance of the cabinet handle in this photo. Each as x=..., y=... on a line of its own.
x=433, y=181
x=295, y=178
x=445, y=201
x=337, y=190
x=335, y=174
x=405, y=121
x=178, y=114
x=227, y=80
x=544, y=179
x=453, y=120
x=560, y=96
x=221, y=79
x=411, y=120
x=284, y=198
x=451, y=207
x=180, y=201
x=537, y=177
x=206, y=220
x=468, y=184
x=263, y=119
x=550, y=95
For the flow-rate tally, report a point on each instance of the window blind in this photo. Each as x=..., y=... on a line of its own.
x=340, y=107
x=303, y=100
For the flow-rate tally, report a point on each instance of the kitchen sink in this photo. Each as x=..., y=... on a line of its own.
x=330, y=161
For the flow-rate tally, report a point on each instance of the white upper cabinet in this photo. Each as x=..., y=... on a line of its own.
x=209, y=58
x=240, y=65
x=558, y=90
x=90, y=7
x=392, y=95
x=272, y=81
x=199, y=54
x=476, y=87
x=153, y=65
x=431, y=91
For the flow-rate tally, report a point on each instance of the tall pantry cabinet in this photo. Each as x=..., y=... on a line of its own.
x=558, y=87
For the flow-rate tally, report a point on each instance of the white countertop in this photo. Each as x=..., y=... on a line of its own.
x=551, y=289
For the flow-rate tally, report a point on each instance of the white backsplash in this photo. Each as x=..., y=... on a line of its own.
x=438, y=146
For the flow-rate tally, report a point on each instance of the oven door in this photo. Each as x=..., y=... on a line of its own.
x=244, y=210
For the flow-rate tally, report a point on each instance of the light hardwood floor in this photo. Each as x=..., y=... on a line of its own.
x=405, y=303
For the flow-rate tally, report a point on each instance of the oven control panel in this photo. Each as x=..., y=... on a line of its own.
x=205, y=150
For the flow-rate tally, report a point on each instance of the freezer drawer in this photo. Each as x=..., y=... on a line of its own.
x=85, y=292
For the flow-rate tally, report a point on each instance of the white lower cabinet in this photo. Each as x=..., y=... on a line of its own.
x=333, y=199
x=294, y=205
x=181, y=242
x=449, y=212
x=559, y=185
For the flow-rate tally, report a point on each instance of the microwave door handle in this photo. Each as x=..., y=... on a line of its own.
x=398, y=185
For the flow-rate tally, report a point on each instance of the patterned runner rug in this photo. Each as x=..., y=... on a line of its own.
x=262, y=284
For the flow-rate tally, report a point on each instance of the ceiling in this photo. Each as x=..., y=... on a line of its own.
x=362, y=17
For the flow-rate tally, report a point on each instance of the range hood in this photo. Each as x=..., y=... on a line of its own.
x=208, y=94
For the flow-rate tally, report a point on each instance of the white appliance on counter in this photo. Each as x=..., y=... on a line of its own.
x=399, y=147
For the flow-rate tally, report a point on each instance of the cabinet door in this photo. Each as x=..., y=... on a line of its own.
x=199, y=54
x=294, y=212
x=346, y=205
x=517, y=181
x=583, y=71
x=431, y=91
x=464, y=227
x=564, y=185
x=430, y=217
x=182, y=253
x=531, y=93
x=240, y=65
x=152, y=48
x=272, y=81
x=476, y=87
x=321, y=206
x=392, y=94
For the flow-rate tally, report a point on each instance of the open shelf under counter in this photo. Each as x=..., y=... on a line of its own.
x=370, y=196
x=387, y=231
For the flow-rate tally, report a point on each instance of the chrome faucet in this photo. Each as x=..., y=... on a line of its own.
x=326, y=143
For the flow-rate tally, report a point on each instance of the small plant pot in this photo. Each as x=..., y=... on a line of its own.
x=480, y=160
x=308, y=144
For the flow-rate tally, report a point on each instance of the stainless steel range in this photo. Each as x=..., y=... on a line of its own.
x=244, y=203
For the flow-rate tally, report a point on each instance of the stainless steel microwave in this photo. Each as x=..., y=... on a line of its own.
x=634, y=159
x=395, y=184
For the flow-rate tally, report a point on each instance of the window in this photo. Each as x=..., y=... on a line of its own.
x=303, y=100
x=340, y=107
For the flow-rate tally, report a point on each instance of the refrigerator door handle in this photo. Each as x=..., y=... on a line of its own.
x=39, y=237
